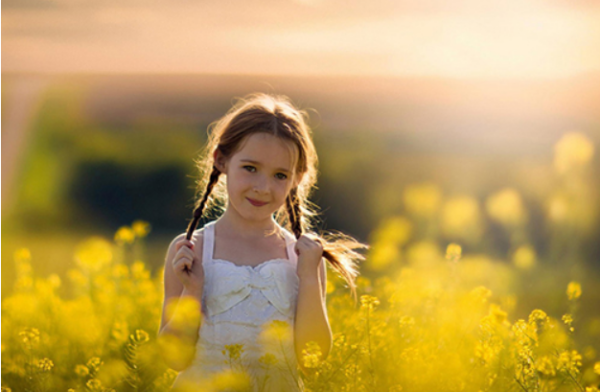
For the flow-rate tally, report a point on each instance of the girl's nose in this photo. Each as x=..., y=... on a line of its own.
x=261, y=185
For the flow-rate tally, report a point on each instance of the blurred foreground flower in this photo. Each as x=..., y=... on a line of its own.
x=453, y=252
x=311, y=355
x=94, y=253
x=229, y=380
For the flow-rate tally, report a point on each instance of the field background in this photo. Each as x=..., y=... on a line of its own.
x=99, y=151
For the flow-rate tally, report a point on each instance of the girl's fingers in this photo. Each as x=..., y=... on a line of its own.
x=184, y=257
x=184, y=263
x=184, y=243
x=185, y=252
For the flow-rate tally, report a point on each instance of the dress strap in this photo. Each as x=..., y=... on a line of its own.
x=209, y=242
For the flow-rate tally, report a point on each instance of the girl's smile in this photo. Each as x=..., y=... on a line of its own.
x=256, y=202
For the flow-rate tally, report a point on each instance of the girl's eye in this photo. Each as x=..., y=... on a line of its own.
x=281, y=176
x=251, y=169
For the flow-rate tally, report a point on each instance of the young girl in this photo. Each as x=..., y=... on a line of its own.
x=246, y=270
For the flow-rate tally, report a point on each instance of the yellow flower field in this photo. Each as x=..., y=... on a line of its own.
x=431, y=315
x=428, y=326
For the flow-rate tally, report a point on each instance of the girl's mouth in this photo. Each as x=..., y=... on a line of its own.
x=256, y=203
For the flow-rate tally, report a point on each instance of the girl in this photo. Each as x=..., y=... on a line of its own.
x=252, y=278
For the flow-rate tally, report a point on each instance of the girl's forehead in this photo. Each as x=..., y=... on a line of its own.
x=268, y=150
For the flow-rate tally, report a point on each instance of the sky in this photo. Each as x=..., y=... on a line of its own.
x=439, y=38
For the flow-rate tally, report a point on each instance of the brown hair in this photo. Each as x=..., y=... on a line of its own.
x=275, y=115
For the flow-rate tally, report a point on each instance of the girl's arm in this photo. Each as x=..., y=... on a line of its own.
x=174, y=291
x=311, y=322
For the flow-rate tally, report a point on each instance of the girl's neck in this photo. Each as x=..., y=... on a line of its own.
x=236, y=226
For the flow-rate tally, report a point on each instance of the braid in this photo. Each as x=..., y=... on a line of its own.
x=293, y=208
x=334, y=254
x=214, y=178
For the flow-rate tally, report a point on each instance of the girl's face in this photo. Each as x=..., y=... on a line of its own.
x=259, y=175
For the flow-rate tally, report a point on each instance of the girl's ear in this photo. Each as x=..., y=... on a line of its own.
x=220, y=161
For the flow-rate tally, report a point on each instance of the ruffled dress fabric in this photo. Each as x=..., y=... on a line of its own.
x=250, y=306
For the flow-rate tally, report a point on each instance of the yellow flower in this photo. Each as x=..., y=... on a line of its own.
x=140, y=228
x=524, y=257
x=125, y=235
x=30, y=337
x=228, y=380
x=275, y=331
x=573, y=290
x=94, y=253
x=572, y=151
x=537, y=315
x=546, y=366
x=94, y=385
x=487, y=350
x=82, y=371
x=94, y=363
x=597, y=368
x=453, y=252
x=184, y=312
x=268, y=359
x=140, y=336
x=369, y=302
x=568, y=319
x=45, y=364
x=119, y=331
x=233, y=351
x=339, y=340
x=569, y=361
x=311, y=355
x=506, y=207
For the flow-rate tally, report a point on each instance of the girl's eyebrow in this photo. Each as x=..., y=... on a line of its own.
x=258, y=163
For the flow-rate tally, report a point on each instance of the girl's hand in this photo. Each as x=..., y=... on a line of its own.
x=310, y=253
x=187, y=266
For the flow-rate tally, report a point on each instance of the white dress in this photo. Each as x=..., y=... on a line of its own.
x=239, y=306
